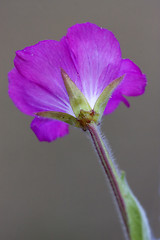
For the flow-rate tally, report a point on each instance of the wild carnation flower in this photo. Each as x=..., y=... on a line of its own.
x=76, y=81
x=88, y=55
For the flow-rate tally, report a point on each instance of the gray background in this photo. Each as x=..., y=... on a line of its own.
x=57, y=190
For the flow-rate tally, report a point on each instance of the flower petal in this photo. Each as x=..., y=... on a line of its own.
x=93, y=49
x=39, y=67
x=48, y=129
x=114, y=102
x=134, y=82
x=30, y=97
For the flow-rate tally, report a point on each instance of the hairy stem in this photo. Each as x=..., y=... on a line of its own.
x=110, y=171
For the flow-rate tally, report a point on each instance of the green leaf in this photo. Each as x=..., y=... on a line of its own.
x=76, y=97
x=137, y=220
x=102, y=101
x=64, y=117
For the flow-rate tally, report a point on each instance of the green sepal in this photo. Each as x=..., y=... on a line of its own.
x=137, y=221
x=64, y=117
x=102, y=100
x=76, y=97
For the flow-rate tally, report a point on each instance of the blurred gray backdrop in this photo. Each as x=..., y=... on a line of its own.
x=57, y=190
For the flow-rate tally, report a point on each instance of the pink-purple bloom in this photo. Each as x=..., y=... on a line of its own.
x=91, y=56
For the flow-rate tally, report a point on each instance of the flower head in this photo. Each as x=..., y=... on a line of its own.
x=86, y=62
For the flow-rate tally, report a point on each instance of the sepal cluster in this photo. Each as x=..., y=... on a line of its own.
x=83, y=113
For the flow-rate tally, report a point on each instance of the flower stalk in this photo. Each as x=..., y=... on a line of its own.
x=133, y=215
x=110, y=171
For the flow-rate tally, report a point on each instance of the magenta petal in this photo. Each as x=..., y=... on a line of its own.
x=30, y=97
x=134, y=82
x=93, y=49
x=114, y=102
x=38, y=70
x=48, y=129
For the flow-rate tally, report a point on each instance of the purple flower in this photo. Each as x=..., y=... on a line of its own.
x=91, y=57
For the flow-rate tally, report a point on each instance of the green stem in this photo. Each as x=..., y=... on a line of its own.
x=110, y=170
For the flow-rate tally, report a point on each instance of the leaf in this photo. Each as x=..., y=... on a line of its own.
x=137, y=220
